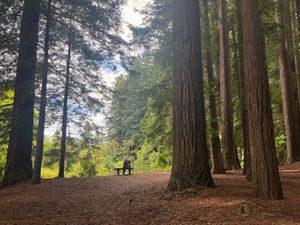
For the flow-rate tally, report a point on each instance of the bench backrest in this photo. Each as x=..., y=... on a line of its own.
x=127, y=164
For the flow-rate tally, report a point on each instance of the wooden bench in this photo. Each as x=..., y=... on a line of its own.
x=121, y=169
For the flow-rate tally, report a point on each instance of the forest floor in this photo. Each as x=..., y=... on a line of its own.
x=141, y=200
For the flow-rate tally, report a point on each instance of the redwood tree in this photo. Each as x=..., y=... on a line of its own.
x=214, y=126
x=265, y=174
x=241, y=84
x=190, y=153
x=231, y=159
x=286, y=66
x=298, y=13
x=18, y=161
x=295, y=20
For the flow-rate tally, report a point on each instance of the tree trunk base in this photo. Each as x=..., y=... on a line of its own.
x=183, y=184
x=16, y=177
x=218, y=171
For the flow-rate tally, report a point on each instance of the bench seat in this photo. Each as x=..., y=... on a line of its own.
x=118, y=169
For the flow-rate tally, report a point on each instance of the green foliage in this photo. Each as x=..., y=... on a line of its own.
x=281, y=148
x=6, y=100
x=51, y=151
x=141, y=108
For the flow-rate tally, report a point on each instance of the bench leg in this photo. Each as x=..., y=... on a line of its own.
x=118, y=172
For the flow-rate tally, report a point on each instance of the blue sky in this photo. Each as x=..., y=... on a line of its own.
x=130, y=17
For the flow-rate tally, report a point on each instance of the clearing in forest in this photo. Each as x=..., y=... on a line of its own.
x=141, y=199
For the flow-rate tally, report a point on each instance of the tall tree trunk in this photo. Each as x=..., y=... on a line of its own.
x=241, y=84
x=290, y=109
x=65, y=111
x=296, y=40
x=298, y=13
x=215, y=40
x=288, y=20
x=265, y=174
x=42, y=115
x=18, y=161
x=215, y=141
x=190, y=152
x=228, y=146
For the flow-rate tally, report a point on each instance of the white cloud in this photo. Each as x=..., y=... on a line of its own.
x=132, y=16
x=109, y=76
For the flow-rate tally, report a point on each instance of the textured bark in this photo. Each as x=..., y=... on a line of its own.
x=297, y=47
x=286, y=66
x=241, y=84
x=228, y=146
x=214, y=126
x=298, y=13
x=42, y=114
x=190, y=153
x=18, y=161
x=296, y=40
x=65, y=111
x=288, y=20
x=216, y=52
x=265, y=174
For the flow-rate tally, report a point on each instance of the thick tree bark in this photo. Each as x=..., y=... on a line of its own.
x=297, y=54
x=18, y=161
x=241, y=84
x=265, y=174
x=215, y=40
x=42, y=114
x=190, y=153
x=286, y=65
x=288, y=18
x=298, y=13
x=296, y=40
x=215, y=141
x=231, y=159
x=65, y=111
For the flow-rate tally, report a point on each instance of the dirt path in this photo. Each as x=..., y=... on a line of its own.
x=141, y=200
